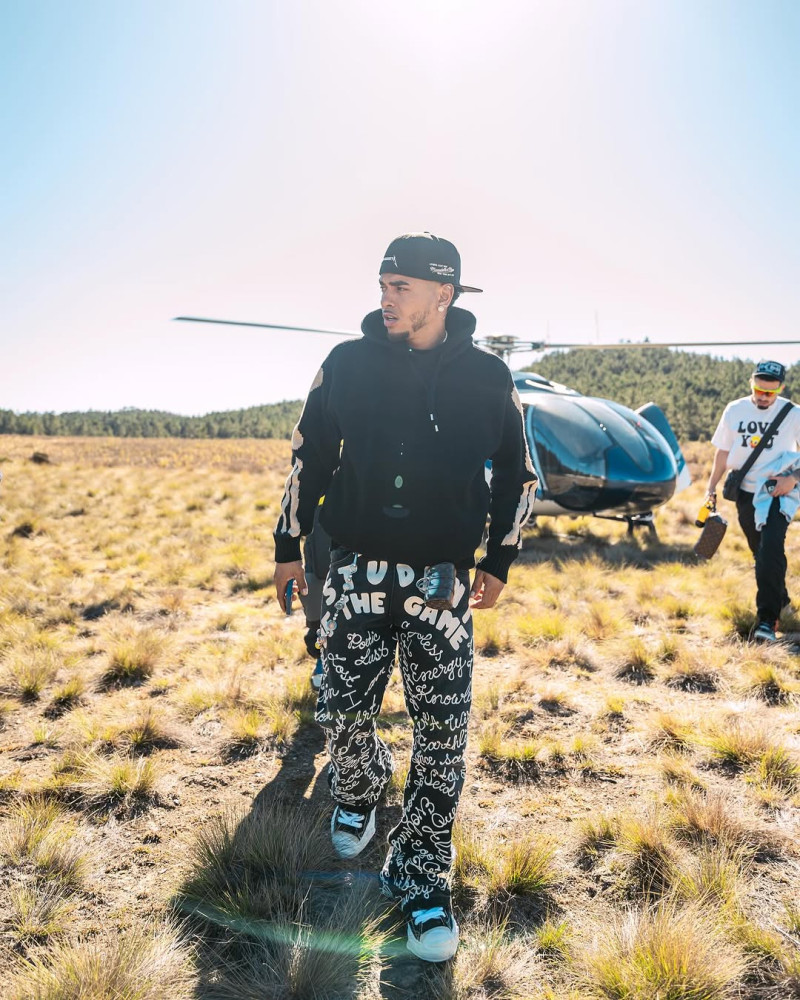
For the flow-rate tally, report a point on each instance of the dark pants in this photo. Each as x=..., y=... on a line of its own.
x=767, y=546
x=370, y=610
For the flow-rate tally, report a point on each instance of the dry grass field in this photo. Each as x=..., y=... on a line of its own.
x=629, y=824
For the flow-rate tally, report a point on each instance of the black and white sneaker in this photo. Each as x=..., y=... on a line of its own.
x=351, y=830
x=432, y=934
x=764, y=632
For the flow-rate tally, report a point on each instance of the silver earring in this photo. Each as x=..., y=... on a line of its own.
x=441, y=309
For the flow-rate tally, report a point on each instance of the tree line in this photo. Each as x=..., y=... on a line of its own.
x=692, y=389
x=271, y=421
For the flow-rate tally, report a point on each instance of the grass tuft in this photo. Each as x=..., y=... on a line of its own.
x=60, y=858
x=524, y=868
x=66, y=697
x=740, y=617
x=678, y=771
x=648, y=854
x=133, y=658
x=709, y=819
x=556, y=702
x=256, y=866
x=141, y=964
x=602, y=621
x=666, y=953
x=777, y=768
x=490, y=639
x=689, y=673
x=571, y=654
x=36, y=831
x=767, y=682
x=489, y=963
x=614, y=708
x=38, y=913
x=553, y=937
x=110, y=782
x=302, y=954
x=735, y=742
x=791, y=916
x=717, y=874
x=596, y=836
x=27, y=825
x=517, y=758
x=29, y=669
x=147, y=733
x=638, y=664
x=670, y=732
x=246, y=726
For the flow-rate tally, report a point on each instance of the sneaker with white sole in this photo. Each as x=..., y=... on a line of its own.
x=432, y=934
x=351, y=830
x=764, y=632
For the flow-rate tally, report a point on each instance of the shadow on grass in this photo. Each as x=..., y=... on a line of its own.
x=560, y=550
x=275, y=913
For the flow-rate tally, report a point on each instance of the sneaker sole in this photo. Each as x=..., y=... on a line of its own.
x=348, y=850
x=437, y=951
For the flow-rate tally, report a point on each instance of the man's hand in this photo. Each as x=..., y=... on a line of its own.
x=784, y=484
x=284, y=572
x=485, y=590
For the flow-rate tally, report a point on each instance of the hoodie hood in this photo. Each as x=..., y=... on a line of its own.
x=459, y=324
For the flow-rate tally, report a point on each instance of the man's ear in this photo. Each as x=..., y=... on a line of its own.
x=446, y=294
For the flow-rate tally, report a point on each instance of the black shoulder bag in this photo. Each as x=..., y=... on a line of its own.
x=733, y=481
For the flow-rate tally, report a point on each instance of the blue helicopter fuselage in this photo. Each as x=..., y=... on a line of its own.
x=595, y=456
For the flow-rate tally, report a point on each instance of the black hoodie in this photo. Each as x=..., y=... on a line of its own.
x=397, y=440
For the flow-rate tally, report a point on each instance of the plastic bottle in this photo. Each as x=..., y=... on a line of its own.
x=708, y=508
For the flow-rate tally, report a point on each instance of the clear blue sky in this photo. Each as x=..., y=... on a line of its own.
x=631, y=160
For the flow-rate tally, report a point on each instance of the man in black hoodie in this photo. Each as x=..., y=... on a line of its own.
x=396, y=432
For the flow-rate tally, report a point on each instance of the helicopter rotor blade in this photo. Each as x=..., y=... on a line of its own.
x=663, y=343
x=530, y=346
x=265, y=326
x=506, y=344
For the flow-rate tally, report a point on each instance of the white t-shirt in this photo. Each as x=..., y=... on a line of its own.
x=742, y=426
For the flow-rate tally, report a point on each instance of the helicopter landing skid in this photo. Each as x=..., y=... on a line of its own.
x=635, y=521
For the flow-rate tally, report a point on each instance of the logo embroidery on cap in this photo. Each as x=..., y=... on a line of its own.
x=771, y=366
x=441, y=269
x=392, y=259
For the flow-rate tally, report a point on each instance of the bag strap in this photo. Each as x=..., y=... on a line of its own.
x=768, y=435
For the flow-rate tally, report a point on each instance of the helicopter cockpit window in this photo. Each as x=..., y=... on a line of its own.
x=570, y=445
x=618, y=422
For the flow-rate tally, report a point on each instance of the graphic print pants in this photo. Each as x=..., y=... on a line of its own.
x=370, y=610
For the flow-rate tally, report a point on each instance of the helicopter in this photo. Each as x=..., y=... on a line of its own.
x=593, y=456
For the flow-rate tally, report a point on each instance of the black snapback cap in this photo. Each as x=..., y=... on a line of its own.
x=425, y=256
x=770, y=369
